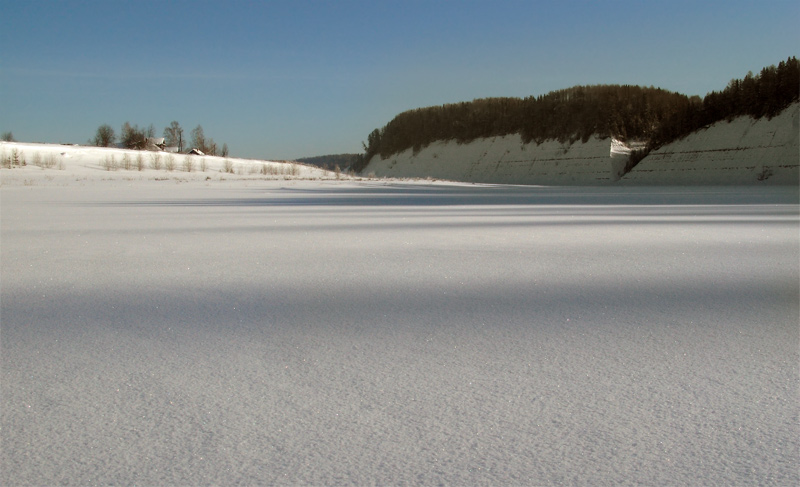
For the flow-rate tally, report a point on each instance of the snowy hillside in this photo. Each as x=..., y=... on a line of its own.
x=507, y=160
x=740, y=151
x=744, y=151
x=24, y=163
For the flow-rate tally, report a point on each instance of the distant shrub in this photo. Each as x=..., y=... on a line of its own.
x=52, y=161
x=127, y=163
x=44, y=162
x=110, y=163
x=16, y=158
x=155, y=161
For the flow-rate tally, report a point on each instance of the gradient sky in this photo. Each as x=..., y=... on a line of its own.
x=288, y=79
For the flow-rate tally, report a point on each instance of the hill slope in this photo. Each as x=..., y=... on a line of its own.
x=508, y=160
x=586, y=134
x=742, y=151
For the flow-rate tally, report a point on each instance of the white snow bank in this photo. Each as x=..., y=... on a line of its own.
x=51, y=164
x=743, y=151
x=324, y=332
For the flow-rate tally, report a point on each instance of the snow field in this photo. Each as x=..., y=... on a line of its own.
x=327, y=332
x=49, y=164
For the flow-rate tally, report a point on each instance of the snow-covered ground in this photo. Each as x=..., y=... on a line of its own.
x=56, y=164
x=173, y=329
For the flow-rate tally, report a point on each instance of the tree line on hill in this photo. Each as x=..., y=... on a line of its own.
x=133, y=137
x=652, y=115
x=332, y=161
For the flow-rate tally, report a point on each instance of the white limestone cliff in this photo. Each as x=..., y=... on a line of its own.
x=742, y=151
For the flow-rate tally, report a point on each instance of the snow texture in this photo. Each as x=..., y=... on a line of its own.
x=292, y=332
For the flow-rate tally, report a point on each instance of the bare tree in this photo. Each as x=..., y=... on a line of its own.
x=198, y=138
x=132, y=136
x=211, y=147
x=105, y=136
x=173, y=135
x=203, y=144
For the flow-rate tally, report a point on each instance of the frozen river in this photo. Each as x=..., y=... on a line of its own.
x=394, y=333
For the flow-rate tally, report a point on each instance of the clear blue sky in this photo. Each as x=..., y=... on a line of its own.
x=287, y=79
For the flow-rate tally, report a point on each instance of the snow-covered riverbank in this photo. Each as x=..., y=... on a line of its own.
x=30, y=164
x=743, y=151
x=507, y=160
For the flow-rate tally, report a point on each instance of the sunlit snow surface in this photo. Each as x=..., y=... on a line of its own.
x=310, y=332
